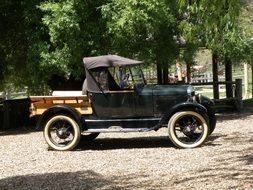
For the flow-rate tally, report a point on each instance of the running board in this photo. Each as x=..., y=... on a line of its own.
x=116, y=129
x=122, y=125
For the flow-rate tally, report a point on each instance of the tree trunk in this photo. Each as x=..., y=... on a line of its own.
x=228, y=78
x=159, y=73
x=165, y=73
x=215, y=76
x=188, y=72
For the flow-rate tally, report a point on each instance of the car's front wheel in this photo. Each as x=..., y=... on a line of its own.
x=62, y=132
x=188, y=129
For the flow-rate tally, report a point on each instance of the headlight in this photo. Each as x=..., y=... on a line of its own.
x=191, y=94
x=190, y=91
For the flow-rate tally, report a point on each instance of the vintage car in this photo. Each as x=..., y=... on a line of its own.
x=116, y=98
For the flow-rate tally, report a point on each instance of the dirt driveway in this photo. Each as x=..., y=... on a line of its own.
x=132, y=160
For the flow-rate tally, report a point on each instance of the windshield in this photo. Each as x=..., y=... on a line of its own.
x=137, y=75
x=127, y=77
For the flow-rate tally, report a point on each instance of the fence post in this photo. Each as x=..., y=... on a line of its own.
x=238, y=94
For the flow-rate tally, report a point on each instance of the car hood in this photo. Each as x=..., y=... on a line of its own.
x=165, y=90
x=172, y=90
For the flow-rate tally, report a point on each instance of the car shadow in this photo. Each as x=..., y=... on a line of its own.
x=135, y=142
x=125, y=143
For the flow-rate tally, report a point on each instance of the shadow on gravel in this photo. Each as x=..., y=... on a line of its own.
x=71, y=180
x=220, y=176
x=17, y=132
x=125, y=143
x=20, y=131
x=248, y=158
x=211, y=141
x=226, y=116
x=81, y=180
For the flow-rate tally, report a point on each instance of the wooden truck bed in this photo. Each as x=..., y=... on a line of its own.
x=42, y=103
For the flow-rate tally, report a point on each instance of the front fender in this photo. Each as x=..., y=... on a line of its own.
x=209, y=105
x=186, y=106
x=205, y=101
x=57, y=110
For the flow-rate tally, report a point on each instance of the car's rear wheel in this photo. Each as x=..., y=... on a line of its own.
x=62, y=132
x=188, y=129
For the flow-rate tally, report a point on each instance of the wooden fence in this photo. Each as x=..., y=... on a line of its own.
x=232, y=102
x=8, y=95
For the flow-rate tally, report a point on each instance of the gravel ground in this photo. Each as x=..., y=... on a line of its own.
x=132, y=160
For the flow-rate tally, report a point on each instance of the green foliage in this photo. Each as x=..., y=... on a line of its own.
x=12, y=43
x=246, y=19
x=246, y=22
x=61, y=20
x=216, y=24
x=42, y=38
x=144, y=27
x=75, y=30
x=62, y=54
x=157, y=29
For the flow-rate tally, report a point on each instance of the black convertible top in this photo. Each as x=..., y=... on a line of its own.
x=108, y=61
x=93, y=64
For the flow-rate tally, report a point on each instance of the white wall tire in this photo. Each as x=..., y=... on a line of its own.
x=180, y=123
x=65, y=128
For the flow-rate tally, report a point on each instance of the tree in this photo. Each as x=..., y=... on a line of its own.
x=13, y=43
x=147, y=29
x=75, y=30
x=246, y=22
x=223, y=35
x=43, y=40
x=20, y=29
x=216, y=25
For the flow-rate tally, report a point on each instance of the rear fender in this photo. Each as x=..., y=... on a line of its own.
x=58, y=110
x=186, y=106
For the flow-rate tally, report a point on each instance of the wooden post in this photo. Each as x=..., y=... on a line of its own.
x=179, y=71
x=238, y=94
x=245, y=66
x=251, y=63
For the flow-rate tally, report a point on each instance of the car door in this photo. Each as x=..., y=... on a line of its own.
x=114, y=104
x=144, y=106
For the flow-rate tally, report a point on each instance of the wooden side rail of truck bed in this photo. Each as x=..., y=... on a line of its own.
x=41, y=103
